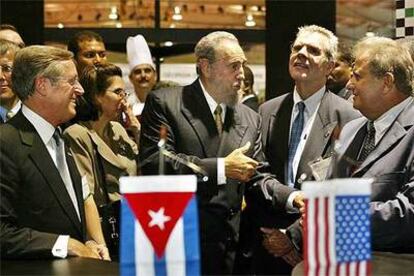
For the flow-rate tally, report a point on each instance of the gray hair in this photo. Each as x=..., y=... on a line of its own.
x=331, y=51
x=6, y=46
x=384, y=55
x=407, y=42
x=207, y=46
x=36, y=61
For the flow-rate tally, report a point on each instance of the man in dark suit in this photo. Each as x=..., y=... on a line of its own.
x=42, y=211
x=299, y=128
x=381, y=144
x=207, y=126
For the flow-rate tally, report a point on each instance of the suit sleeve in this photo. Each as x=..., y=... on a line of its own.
x=17, y=241
x=393, y=218
x=153, y=117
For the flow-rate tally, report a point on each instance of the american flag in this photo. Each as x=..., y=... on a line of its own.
x=337, y=239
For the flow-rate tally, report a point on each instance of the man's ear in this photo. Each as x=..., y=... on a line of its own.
x=389, y=82
x=41, y=85
x=330, y=66
x=204, y=66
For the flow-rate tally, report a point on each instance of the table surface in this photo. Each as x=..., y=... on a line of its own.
x=383, y=263
x=69, y=266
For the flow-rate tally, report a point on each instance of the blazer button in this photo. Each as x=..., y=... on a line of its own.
x=232, y=212
x=326, y=135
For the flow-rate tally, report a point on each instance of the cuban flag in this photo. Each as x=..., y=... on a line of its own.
x=159, y=226
x=337, y=237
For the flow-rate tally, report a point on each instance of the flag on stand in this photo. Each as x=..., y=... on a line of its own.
x=337, y=237
x=159, y=226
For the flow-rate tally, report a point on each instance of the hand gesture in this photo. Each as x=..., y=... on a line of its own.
x=238, y=166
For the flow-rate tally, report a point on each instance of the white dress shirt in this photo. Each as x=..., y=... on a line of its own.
x=311, y=107
x=221, y=170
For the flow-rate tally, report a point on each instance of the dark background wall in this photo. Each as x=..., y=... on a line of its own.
x=26, y=16
x=282, y=21
x=283, y=17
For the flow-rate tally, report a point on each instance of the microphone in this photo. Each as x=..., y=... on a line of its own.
x=165, y=153
x=161, y=146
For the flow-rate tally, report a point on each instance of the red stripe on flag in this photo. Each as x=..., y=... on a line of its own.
x=317, y=261
x=369, y=267
x=338, y=267
x=305, y=237
x=358, y=266
x=327, y=238
x=347, y=268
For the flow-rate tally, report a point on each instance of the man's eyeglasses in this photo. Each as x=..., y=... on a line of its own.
x=6, y=68
x=119, y=91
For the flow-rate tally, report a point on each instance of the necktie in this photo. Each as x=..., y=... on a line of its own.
x=369, y=142
x=296, y=133
x=218, y=119
x=63, y=168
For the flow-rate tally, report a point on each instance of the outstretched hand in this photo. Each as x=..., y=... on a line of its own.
x=239, y=166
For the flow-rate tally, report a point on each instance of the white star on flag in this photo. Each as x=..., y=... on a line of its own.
x=158, y=218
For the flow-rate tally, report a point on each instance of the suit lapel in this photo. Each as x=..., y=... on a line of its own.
x=278, y=140
x=233, y=132
x=319, y=136
x=195, y=109
x=43, y=161
x=78, y=186
x=393, y=135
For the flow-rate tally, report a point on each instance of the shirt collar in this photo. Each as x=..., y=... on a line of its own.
x=43, y=127
x=385, y=120
x=312, y=102
x=211, y=102
x=4, y=111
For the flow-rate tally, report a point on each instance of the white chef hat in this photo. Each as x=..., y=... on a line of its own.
x=138, y=52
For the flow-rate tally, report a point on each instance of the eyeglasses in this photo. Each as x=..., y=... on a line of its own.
x=6, y=68
x=119, y=92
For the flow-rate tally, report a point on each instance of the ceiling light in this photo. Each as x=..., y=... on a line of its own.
x=118, y=25
x=250, y=21
x=60, y=26
x=177, y=16
x=168, y=43
x=114, y=13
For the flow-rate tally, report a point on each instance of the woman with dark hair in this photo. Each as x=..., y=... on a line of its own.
x=100, y=144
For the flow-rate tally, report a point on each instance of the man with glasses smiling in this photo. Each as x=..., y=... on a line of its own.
x=45, y=209
x=9, y=102
x=88, y=49
x=299, y=128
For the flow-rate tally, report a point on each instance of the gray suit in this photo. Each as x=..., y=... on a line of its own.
x=391, y=164
x=332, y=114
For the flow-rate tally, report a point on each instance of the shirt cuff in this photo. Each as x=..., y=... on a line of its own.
x=289, y=204
x=60, y=248
x=221, y=172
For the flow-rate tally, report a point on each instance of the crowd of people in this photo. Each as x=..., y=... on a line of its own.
x=69, y=130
